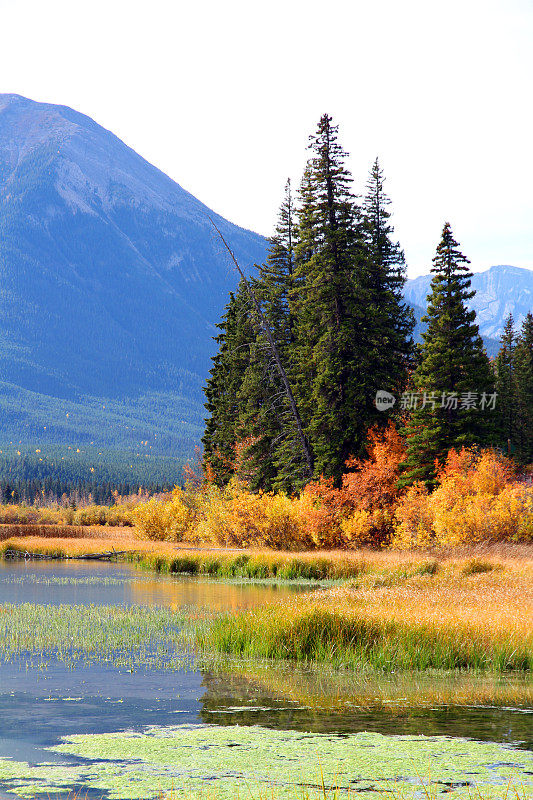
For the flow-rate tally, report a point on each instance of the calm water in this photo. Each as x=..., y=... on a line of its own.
x=38, y=707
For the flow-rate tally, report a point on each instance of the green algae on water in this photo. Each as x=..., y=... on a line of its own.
x=230, y=760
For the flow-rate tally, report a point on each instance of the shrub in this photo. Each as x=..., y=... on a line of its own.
x=413, y=522
x=368, y=528
x=477, y=500
x=372, y=483
x=162, y=520
x=236, y=517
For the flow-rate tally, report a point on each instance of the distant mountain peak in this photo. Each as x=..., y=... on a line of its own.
x=501, y=290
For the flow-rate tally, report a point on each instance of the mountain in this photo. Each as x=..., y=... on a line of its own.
x=111, y=283
x=500, y=291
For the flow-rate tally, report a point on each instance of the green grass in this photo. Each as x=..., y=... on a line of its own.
x=123, y=637
x=245, y=565
x=359, y=642
x=477, y=566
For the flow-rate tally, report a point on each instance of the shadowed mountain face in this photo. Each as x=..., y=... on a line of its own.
x=111, y=278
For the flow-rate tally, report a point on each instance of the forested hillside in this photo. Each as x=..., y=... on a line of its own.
x=111, y=282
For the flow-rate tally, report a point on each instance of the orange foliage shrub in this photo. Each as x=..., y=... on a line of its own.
x=477, y=500
x=371, y=483
x=369, y=490
x=359, y=513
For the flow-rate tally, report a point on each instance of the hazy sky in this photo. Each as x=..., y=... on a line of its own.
x=222, y=95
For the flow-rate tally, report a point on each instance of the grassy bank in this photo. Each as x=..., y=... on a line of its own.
x=451, y=610
x=464, y=615
x=357, y=642
x=168, y=558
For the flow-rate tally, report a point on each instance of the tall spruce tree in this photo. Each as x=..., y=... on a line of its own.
x=523, y=357
x=276, y=275
x=237, y=333
x=328, y=358
x=506, y=387
x=453, y=380
x=390, y=321
x=274, y=455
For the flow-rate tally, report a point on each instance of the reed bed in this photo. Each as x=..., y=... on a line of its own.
x=452, y=619
x=41, y=531
x=123, y=637
x=428, y=790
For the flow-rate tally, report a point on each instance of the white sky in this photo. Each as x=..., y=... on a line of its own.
x=222, y=95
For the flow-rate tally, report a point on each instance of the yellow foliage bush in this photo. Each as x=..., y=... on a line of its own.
x=413, y=521
x=282, y=525
x=19, y=515
x=235, y=517
x=226, y=516
x=162, y=520
x=368, y=528
x=115, y=516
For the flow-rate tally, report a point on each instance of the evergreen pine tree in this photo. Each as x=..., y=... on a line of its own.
x=453, y=378
x=274, y=456
x=224, y=384
x=504, y=367
x=390, y=320
x=328, y=359
x=524, y=391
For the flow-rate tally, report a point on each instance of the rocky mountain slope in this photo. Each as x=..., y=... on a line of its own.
x=500, y=291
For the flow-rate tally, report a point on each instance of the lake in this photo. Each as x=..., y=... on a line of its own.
x=47, y=701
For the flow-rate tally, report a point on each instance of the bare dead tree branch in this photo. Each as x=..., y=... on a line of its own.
x=306, y=446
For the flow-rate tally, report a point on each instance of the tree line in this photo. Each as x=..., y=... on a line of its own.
x=326, y=310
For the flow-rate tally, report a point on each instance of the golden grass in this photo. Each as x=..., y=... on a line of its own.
x=109, y=536
x=396, y=618
x=497, y=601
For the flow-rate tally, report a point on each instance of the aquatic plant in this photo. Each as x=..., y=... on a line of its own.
x=226, y=761
x=123, y=637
